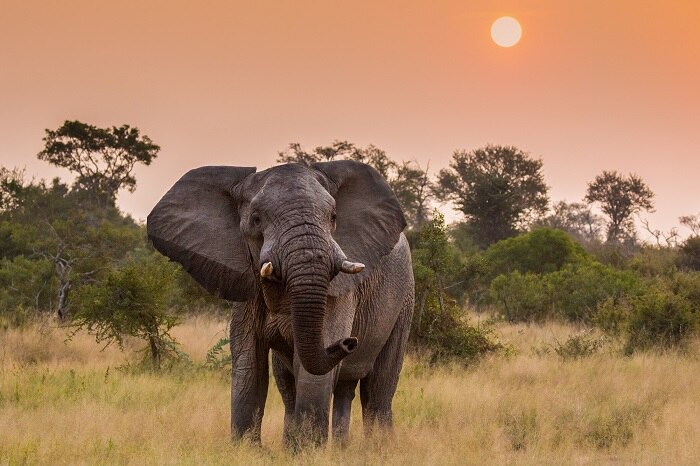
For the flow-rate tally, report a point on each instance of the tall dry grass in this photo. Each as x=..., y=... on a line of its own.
x=68, y=403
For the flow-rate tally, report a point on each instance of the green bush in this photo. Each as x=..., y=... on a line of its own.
x=512, y=271
x=577, y=291
x=26, y=288
x=613, y=315
x=614, y=254
x=573, y=293
x=655, y=261
x=661, y=319
x=540, y=251
x=521, y=297
x=689, y=256
x=439, y=326
x=131, y=301
x=448, y=335
x=687, y=285
x=580, y=345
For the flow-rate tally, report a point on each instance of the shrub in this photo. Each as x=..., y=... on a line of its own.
x=578, y=291
x=689, y=257
x=615, y=254
x=540, y=251
x=612, y=315
x=439, y=326
x=661, y=319
x=687, y=285
x=521, y=297
x=573, y=293
x=131, y=301
x=655, y=261
x=580, y=345
x=447, y=336
x=26, y=287
x=218, y=356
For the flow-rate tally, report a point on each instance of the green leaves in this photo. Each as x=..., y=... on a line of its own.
x=539, y=251
x=58, y=230
x=499, y=189
x=620, y=197
x=439, y=323
x=131, y=300
x=101, y=158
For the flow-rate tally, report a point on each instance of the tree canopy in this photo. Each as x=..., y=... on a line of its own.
x=499, y=189
x=56, y=226
x=620, y=197
x=103, y=159
x=11, y=182
x=575, y=218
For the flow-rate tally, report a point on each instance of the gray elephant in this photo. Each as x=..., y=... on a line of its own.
x=319, y=270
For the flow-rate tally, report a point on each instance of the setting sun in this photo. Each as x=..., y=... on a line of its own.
x=506, y=31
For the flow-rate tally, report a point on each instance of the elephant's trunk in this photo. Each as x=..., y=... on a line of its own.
x=308, y=276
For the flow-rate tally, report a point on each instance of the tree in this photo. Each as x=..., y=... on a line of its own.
x=499, y=189
x=11, y=182
x=620, y=197
x=438, y=323
x=575, y=218
x=412, y=187
x=435, y=259
x=131, y=300
x=25, y=289
x=408, y=180
x=690, y=254
x=539, y=251
x=692, y=222
x=54, y=225
x=103, y=159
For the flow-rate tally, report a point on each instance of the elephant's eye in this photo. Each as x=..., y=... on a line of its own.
x=333, y=216
x=255, y=220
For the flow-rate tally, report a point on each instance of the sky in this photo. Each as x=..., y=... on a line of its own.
x=593, y=85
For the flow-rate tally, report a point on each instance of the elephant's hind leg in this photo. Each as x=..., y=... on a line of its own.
x=343, y=395
x=287, y=388
x=378, y=387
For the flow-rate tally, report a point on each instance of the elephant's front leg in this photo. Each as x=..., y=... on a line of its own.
x=312, y=405
x=342, y=402
x=249, y=374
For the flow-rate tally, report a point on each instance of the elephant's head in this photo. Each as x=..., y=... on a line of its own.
x=310, y=232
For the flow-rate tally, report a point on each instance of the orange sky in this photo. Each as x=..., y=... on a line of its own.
x=593, y=85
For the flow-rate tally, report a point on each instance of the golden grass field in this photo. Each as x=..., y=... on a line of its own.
x=67, y=403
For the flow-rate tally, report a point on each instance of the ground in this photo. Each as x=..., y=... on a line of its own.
x=68, y=403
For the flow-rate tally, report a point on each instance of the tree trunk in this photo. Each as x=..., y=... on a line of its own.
x=155, y=352
x=440, y=293
x=63, y=289
x=423, y=297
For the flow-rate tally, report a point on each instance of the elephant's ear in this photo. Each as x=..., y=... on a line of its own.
x=196, y=224
x=369, y=218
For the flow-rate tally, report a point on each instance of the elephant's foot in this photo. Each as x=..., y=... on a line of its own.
x=309, y=430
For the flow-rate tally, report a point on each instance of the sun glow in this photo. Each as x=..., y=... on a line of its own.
x=506, y=31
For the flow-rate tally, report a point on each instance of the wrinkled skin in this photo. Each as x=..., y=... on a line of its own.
x=277, y=243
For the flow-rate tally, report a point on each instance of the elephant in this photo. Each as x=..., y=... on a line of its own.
x=319, y=271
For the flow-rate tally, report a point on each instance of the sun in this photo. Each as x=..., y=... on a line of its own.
x=506, y=31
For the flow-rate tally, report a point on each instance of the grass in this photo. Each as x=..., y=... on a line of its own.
x=68, y=403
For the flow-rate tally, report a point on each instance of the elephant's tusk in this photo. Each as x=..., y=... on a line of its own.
x=352, y=267
x=266, y=270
